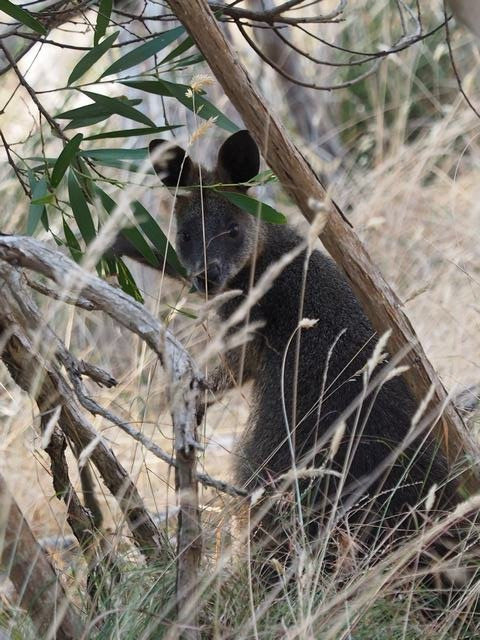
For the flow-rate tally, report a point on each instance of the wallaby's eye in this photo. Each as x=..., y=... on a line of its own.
x=233, y=230
x=185, y=236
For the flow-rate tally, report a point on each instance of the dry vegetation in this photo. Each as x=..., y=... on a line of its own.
x=414, y=197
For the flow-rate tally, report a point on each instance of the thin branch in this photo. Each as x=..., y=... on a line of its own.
x=11, y=162
x=275, y=15
x=301, y=83
x=54, y=125
x=454, y=66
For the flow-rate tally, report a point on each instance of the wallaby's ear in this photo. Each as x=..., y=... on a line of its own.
x=170, y=164
x=238, y=158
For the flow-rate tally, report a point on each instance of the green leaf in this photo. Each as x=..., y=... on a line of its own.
x=64, y=159
x=144, y=51
x=264, y=177
x=197, y=103
x=131, y=233
x=184, y=312
x=138, y=155
x=185, y=45
x=125, y=159
x=39, y=190
x=255, y=207
x=89, y=59
x=151, y=229
x=137, y=133
x=120, y=107
x=103, y=18
x=26, y=18
x=80, y=209
x=96, y=112
x=72, y=242
x=127, y=282
x=48, y=198
x=188, y=61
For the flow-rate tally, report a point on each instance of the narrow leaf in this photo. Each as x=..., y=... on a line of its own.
x=100, y=111
x=103, y=18
x=131, y=233
x=39, y=190
x=197, y=103
x=80, y=209
x=151, y=229
x=47, y=198
x=120, y=107
x=144, y=51
x=72, y=242
x=137, y=133
x=26, y=18
x=138, y=155
x=185, y=45
x=127, y=281
x=65, y=158
x=254, y=207
x=90, y=58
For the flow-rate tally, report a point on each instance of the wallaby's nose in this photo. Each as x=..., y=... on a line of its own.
x=212, y=277
x=213, y=273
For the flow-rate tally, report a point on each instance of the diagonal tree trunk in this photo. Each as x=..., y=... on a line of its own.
x=300, y=182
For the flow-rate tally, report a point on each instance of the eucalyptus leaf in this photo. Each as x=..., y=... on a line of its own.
x=196, y=102
x=127, y=281
x=138, y=155
x=144, y=51
x=80, y=209
x=120, y=107
x=254, y=207
x=39, y=189
x=90, y=58
x=154, y=233
x=103, y=18
x=25, y=17
x=72, y=242
x=65, y=158
x=137, y=133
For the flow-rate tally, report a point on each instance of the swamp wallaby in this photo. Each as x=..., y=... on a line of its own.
x=375, y=474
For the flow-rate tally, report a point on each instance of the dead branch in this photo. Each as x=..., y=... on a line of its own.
x=34, y=578
x=300, y=182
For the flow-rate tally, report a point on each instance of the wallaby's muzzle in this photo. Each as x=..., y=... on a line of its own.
x=210, y=280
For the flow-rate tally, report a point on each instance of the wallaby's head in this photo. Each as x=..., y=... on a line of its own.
x=215, y=239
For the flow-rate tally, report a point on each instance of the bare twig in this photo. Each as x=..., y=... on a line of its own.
x=275, y=15
x=51, y=121
x=78, y=301
x=454, y=66
x=11, y=162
